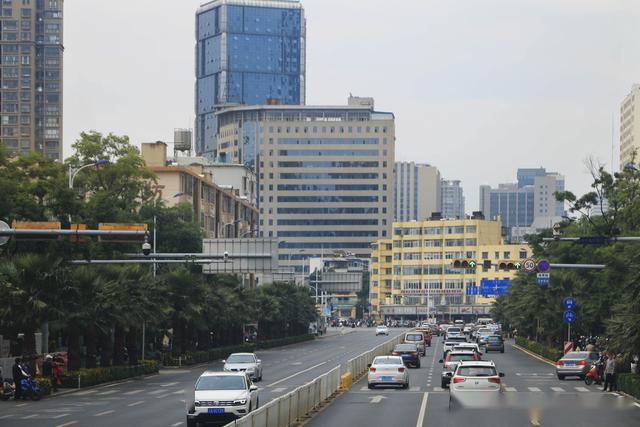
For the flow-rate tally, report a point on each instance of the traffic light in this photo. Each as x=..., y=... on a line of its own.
x=464, y=263
x=509, y=265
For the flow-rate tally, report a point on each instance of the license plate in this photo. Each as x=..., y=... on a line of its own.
x=386, y=378
x=570, y=364
x=216, y=410
x=406, y=355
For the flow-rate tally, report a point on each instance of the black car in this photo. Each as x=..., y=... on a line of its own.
x=494, y=342
x=409, y=354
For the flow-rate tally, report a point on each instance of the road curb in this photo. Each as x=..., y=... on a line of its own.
x=534, y=355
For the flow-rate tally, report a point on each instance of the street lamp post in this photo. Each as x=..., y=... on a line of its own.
x=224, y=226
x=73, y=172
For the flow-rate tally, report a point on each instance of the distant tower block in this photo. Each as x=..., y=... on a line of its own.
x=182, y=140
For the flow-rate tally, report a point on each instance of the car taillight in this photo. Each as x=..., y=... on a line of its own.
x=400, y=369
x=495, y=380
x=372, y=369
x=559, y=363
x=414, y=354
x=582, y=363
x=457, y=380
x=395, y=353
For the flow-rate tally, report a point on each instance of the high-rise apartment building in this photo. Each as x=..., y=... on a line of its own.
x=416, y=191
x=630, y=127
x=452, y=199
x=31, y=76
x=248, y=52
x=324, y=174
x=413, y=273
x=528, y=203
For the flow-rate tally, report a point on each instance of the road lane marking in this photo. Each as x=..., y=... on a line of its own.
x=29, y=416
x=177, y=424
x=60, y=416
x=5, y=416
x=167, y=384
x=86, y=392
x=582, y=389
x=20, y=405
x=156, y=392
x=438, y=389
x=118, y=383
x=178, y=392
x=423, y=410
x=416, y=388
x=99, y=414
x=534, y=389
x=278, y=390
x=129, y=393
x=364, y=388
x=296, y=374
x=557, y=389
x=104, y=393
x=70, y=423
x=162, y=396
x=140, y=402
x=510, y=389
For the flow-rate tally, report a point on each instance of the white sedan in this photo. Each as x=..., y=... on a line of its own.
x=382, y=330
x=475, y=384
x=388, y=370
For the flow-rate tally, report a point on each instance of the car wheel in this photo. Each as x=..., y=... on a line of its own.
x=561, y=377
x=191, y=423
x=370, y=386
x=502, y=351
x=248, y=412
x=418, y=365
x=443, y=384
x=405, y=385
x=257, y=403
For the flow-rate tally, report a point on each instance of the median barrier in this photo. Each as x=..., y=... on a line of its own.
x=360, y=364
x=293, y=406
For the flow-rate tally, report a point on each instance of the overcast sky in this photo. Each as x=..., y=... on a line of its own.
x=478, y=87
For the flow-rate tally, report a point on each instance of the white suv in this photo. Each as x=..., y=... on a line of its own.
x=222, y=396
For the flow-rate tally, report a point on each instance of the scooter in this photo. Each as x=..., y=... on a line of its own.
x=30, y=389
x=7, y=391
x=593, y=375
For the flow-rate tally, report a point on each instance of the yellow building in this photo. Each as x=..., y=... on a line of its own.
x=415, y=269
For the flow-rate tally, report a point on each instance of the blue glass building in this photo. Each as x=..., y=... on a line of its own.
x=248, y=52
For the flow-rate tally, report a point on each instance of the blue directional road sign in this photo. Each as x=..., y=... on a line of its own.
x=543, y=266
x=543, y=278
x=569, y=316
x=494, y=287
x=570, y=303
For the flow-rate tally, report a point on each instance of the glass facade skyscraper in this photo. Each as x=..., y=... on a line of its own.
x=249, y=52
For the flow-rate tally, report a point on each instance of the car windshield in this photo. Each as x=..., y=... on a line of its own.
x=414, y=337
x=452, y=330
x=494, y=338
x=455, y=340
x=406, y=347
x=241, y=358
x=577, y=355
x=485, y=331
x=461, y=357
x=387, y=361
x=221, y=382
x=476, y=371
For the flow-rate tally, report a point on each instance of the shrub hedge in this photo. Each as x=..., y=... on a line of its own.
x=44, y=384
x=222, y=352
x=550, y=353
x=93, y=376
x=630, y=384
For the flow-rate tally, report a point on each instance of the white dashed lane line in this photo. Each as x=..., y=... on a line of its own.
x=140, y=402
x=100, y=414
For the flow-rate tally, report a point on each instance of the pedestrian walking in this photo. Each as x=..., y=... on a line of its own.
x=48, y=371
x=17, y=373
x=610, y=373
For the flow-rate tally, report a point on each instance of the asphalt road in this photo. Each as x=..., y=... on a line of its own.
x=158, y=400
x=533, y=396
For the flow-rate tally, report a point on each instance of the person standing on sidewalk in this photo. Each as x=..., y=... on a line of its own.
x=610, y=373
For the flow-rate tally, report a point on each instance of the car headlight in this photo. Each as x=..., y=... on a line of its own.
x=197, y=403
x=225, y=368
x=239, y=402
x=251, y=369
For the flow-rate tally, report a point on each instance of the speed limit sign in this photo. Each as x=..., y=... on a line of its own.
x=529, y=265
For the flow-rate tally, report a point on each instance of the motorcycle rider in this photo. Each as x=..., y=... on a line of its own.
x=18, y=375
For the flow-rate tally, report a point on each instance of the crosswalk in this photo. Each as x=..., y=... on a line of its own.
x=508, y=389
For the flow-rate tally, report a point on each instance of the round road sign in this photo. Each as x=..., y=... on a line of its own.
x=4, y=226
x=569, y=316
x=569, y=303
x=543, y=266
x=529, y=265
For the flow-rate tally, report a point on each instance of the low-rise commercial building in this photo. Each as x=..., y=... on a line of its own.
x=221, y=212
x=413, y=274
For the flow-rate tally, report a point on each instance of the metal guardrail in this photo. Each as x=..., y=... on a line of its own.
x=294, y=405
x=359, y=364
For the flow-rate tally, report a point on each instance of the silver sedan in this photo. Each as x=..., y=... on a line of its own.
x=388, y=370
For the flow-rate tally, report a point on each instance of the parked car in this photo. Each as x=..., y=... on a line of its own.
x=575, y=363
x=388, y=370
x=416, y=338
x=244, y=362
x=494, y=343
x=382, y=330
x=409, y=353
x=222, y=397
x=451, y=362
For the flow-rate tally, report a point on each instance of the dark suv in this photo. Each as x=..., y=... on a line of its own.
x=494, y=342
